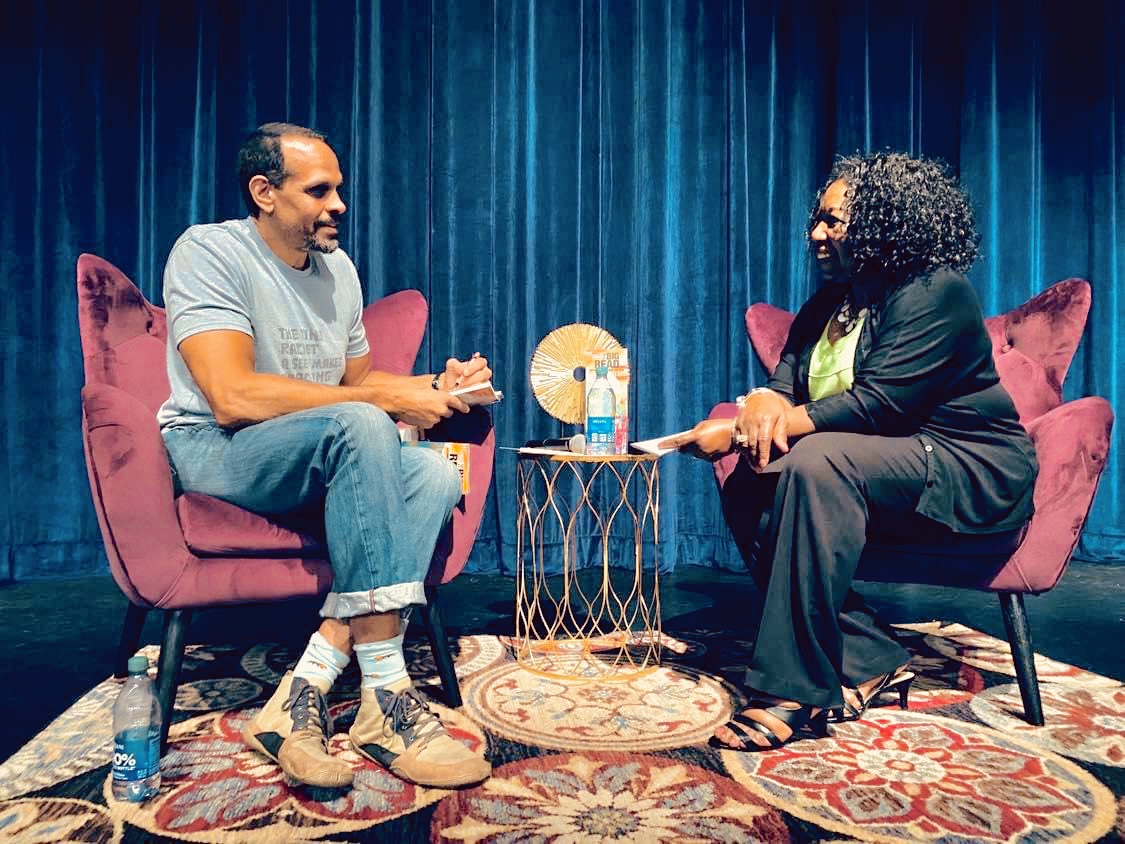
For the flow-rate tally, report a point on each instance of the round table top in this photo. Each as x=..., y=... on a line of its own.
x=571, y=457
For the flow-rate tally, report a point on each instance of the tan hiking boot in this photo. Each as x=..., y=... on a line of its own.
x=293, y=729
x=396, y=728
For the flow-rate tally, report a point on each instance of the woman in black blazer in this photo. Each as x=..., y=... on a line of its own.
x=884, y=419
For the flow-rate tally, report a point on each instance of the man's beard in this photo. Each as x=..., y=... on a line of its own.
x=313, y=244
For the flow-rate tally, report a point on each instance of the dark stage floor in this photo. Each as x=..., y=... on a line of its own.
x=59, y=637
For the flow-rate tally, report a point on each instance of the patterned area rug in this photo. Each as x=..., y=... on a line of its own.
x=625, y=759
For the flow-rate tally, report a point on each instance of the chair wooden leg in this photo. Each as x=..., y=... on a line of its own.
x=439, y=645
x=168, y=673
x=1023, y=655
x=130, y=639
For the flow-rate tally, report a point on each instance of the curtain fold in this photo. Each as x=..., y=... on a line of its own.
x=647, y=167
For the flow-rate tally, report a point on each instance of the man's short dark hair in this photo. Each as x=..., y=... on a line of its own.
x=260, y=155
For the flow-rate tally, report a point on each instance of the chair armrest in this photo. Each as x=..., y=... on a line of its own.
x=131, y=485
x=1071, y=444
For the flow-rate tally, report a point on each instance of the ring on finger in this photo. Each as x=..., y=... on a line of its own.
x=740, y=439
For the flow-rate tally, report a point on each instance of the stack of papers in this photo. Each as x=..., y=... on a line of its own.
x=653, y=446
x=478, y=394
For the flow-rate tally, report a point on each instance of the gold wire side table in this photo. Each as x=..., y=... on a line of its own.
x=600, y=622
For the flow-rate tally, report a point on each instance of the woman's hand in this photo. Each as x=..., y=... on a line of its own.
x=762, y=423
x=710, y=439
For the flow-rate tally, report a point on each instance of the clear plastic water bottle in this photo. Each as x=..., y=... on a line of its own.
x=136, y=736
x=601, y=406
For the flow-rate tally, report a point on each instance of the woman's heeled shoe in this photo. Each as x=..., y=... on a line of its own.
x=797, y=720
x=895, y=681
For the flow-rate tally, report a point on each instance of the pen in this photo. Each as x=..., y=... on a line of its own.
x=461, y=377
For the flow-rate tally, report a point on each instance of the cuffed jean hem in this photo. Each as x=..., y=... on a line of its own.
x=380, y=599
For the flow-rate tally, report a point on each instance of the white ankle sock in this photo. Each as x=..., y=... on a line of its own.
x=382, y=663
x=321, y=663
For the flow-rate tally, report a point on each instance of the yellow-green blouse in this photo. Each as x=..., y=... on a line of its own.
x=831, y=367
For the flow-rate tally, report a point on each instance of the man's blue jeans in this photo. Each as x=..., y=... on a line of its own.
x=384, y=505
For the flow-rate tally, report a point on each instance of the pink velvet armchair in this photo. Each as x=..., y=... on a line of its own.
x=179, y=554
x=1032, y=347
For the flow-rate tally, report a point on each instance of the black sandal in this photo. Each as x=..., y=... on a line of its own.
x=894, y=681
x=797, y=720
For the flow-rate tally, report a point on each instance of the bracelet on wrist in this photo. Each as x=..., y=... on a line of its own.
x=436, y=383
x=741, y=400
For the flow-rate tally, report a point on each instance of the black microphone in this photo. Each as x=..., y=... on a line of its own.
x=576, y=443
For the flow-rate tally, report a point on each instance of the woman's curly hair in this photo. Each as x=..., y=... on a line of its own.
x=906, y=216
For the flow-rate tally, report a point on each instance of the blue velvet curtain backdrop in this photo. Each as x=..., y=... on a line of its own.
x=646, y=166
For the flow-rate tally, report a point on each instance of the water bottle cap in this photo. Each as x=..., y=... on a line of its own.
x=601, y=370
x=138, y=665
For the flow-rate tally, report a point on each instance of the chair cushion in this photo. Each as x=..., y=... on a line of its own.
x=227, y=581
x=216, y=528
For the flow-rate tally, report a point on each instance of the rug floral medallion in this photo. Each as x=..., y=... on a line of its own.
x=623, y=760
x=899, y=776
x=1083, y=723
x=658, y=710
x=568, y=797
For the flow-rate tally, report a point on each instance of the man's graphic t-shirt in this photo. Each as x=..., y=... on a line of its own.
x=305, y=323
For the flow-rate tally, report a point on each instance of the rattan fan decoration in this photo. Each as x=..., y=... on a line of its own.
x=554, y=380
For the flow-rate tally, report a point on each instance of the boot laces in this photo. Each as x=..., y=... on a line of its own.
x=410, y=716
x=308, y=705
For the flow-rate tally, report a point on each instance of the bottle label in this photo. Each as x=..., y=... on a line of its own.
x=136, y=755
x=599, y=435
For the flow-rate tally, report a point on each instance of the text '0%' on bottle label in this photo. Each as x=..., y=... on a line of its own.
x=135, y=758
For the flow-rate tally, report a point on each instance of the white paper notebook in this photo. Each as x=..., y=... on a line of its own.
x=478, y=394
x=653, y=446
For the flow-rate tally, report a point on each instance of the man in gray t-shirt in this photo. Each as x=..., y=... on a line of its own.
x=274, y=407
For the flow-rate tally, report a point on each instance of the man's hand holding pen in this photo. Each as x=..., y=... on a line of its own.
x=465, y=373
